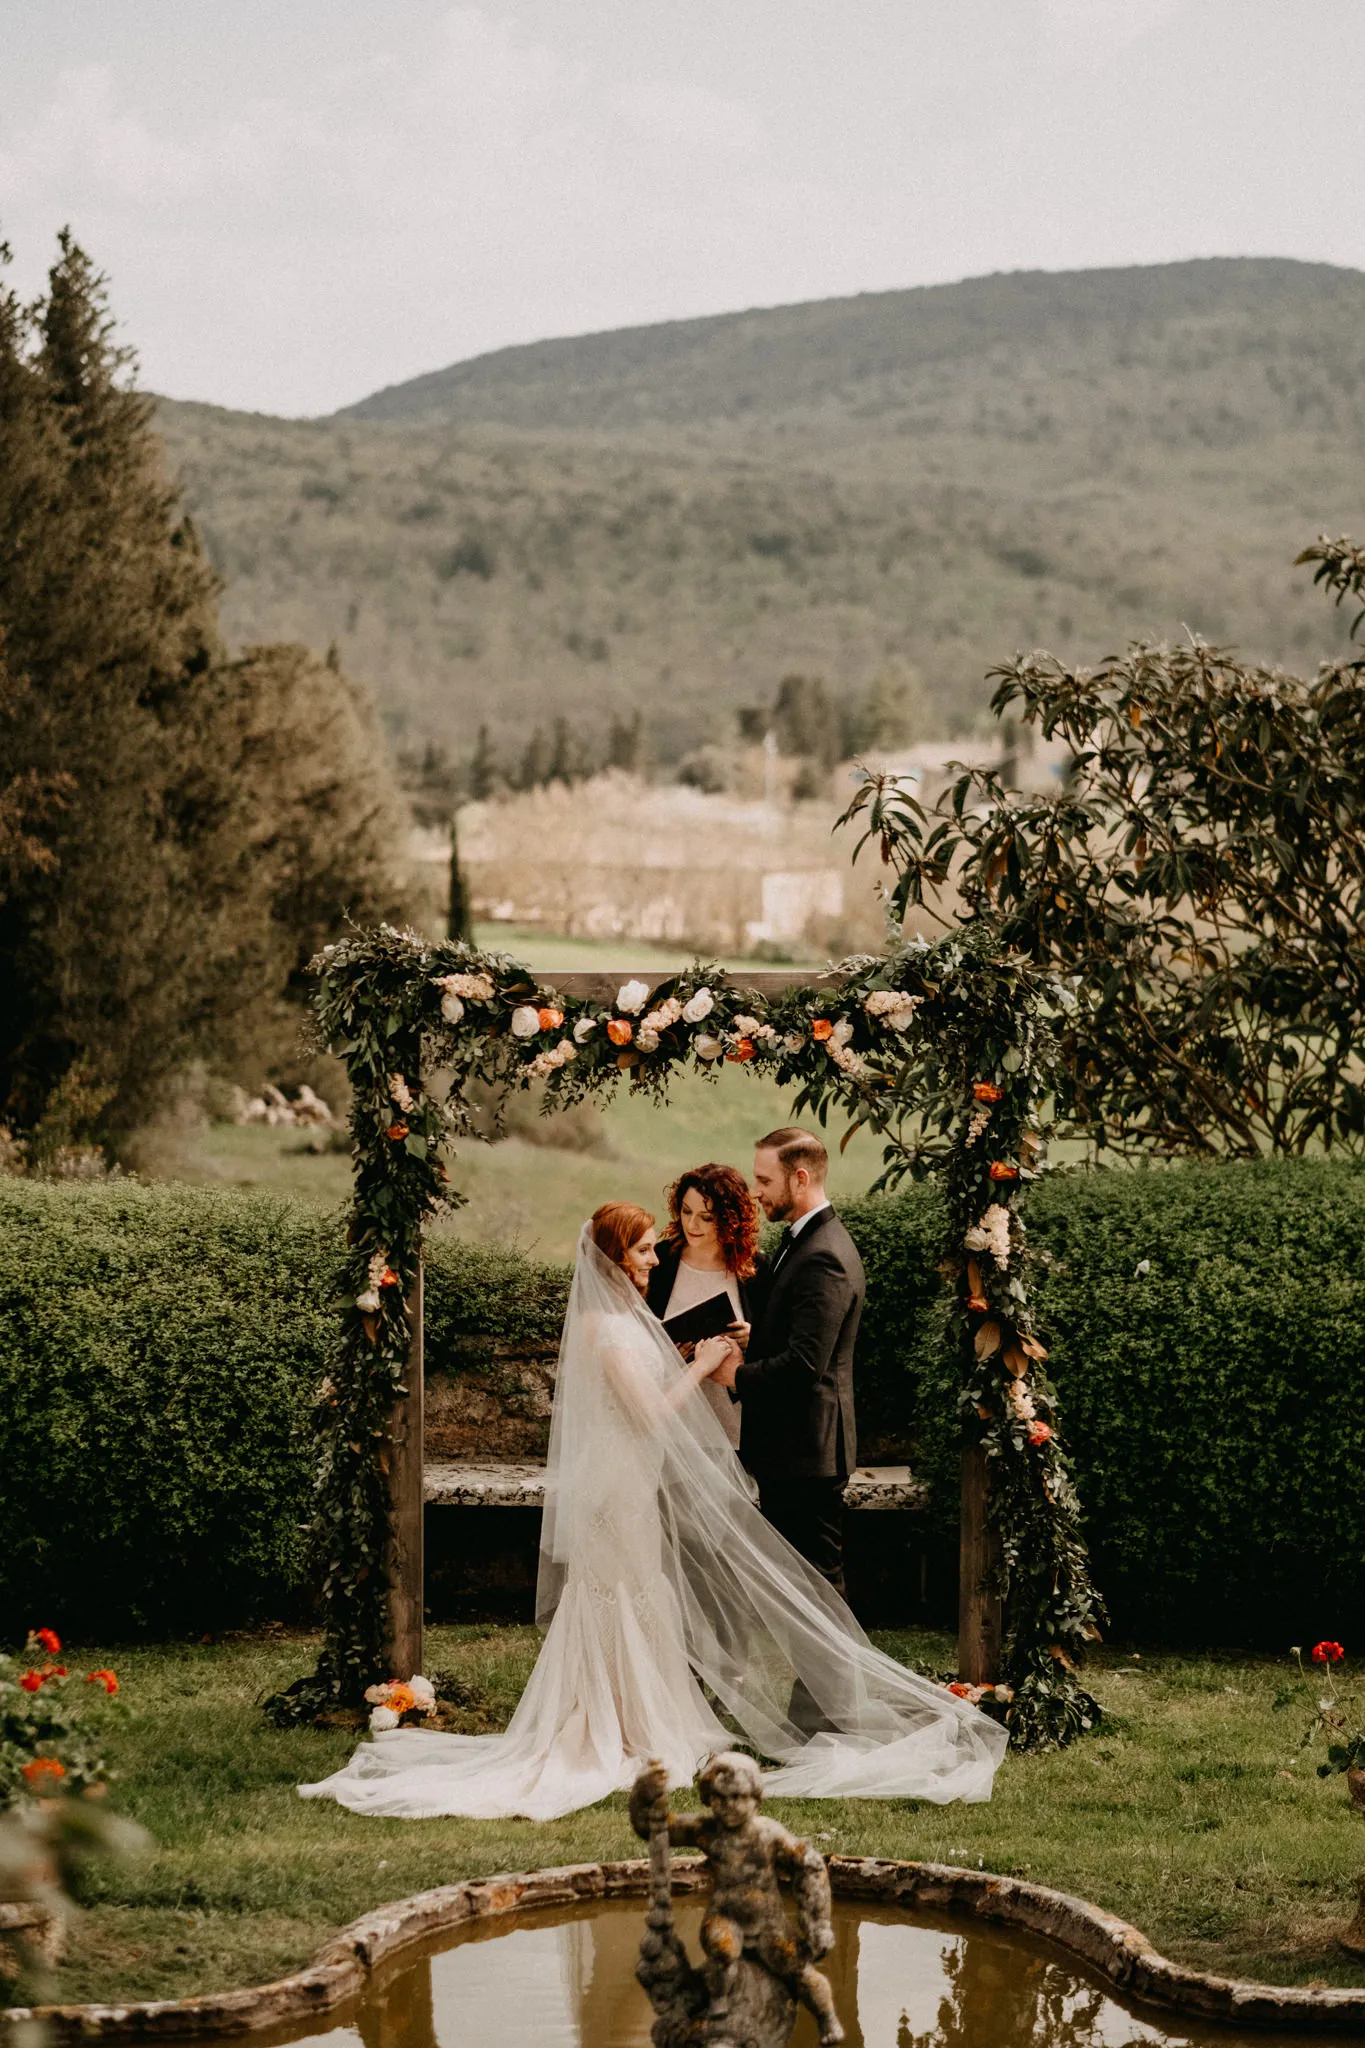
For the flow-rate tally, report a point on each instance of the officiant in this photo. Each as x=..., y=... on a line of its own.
x=710, y=1276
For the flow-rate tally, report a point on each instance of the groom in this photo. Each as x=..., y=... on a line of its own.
x=797, y=1433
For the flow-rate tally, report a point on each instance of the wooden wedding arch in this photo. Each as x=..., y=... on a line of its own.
x=946, y=1051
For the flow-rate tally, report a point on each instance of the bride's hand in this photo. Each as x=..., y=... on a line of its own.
x=709, y=1355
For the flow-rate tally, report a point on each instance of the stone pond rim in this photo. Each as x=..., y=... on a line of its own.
x=342, y=1967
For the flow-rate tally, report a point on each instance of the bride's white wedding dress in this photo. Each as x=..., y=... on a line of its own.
x=658, y=1576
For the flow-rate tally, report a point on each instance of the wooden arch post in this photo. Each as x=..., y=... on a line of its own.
x=979, y=1605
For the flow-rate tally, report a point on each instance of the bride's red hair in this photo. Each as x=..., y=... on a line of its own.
x=616, y=1226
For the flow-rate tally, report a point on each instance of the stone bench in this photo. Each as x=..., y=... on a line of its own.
x=489, y=1483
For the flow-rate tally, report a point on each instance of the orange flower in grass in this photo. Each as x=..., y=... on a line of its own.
x=32, y=1681
x=47, y=1639
x=108, y=1679
x=401, y=1698
x=44, y=1770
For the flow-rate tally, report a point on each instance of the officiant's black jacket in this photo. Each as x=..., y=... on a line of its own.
x=797, y=1382
x=663, y=1275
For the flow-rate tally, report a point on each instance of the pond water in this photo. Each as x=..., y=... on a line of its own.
x=564, y=1978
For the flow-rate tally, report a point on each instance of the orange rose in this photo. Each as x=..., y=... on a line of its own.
x=44, y=1767
x=105, y=1678
x=1039, y=1433
x=620, y=1031
x=744, y=1050
x=396, y=1133
x=1001, y=1170
x=551, y=1019
x=978, y=1304
x=388, y=1278
x=822, y=1029
x=986, y=1091
x=401, y=1698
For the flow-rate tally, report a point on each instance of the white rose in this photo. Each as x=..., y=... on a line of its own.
x=631, y=998
x=423, y=1691
x=706, y=1047
x=794, y=1041
x=748, y=1027
x=368, y=1302
x=399, y=1092
x=842, y=1031
x=584, y=1028
x=565, y=1051
x=698, y=1007
x=647, y=1040
x=452, y=1009
x=525, y=1021
x=382, y=1718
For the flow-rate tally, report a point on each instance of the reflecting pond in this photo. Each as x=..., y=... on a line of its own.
x=564, y=1978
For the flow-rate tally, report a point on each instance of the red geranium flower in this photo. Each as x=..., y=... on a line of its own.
x=48, y=1639
x=32, y=1681
x=396, y=1133
x=1327, y=1653
x=107, y=1679
x=43, y=1767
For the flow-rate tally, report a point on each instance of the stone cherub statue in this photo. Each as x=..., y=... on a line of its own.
x=757, y=1967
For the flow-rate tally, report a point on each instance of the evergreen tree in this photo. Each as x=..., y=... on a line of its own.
x=627, y=744
x=536, y=761
x=805, y=721
x=484, y=774
x=894, y=713
x=159, y=888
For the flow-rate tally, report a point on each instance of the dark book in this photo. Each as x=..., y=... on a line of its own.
x=710, y=1318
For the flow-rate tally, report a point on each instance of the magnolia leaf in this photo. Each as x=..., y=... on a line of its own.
x=988, y=1338
x=1033, y=1348
x=1056, y=1651
x=1016, y=1361
x=974, y=1278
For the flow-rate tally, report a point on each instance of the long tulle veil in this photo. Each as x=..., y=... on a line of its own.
x=762, y=1630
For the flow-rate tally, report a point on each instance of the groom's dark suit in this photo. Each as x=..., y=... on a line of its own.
x=797, y=1435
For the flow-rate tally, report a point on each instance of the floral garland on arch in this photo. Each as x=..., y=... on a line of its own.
x=945, y=1050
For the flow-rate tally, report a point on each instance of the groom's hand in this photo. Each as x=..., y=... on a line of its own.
x=724, y=1374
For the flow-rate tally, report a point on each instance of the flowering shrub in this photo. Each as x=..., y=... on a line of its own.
x=1339, y=1717
x=49, y=1731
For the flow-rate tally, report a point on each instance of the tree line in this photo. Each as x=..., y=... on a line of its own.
x=181, y=827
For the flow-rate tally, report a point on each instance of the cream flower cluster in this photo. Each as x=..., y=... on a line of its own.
x=552, y=1059
x=979, y=1119
x=459, y=989
x=992, y=1234
x=842, y=1053
x=895, y=1007
x=1021, y=1401
x=400, y=1094
x=753, y=1027
x=368, y=1300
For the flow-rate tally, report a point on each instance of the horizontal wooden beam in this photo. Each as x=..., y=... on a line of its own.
x=601, y=988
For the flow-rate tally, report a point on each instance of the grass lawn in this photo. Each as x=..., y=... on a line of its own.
x=1191, y=1813
x=536, y=1195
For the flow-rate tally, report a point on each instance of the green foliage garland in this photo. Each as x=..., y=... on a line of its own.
x=946, y=1051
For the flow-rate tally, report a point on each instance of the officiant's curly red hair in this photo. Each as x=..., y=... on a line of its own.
x=726, y=1194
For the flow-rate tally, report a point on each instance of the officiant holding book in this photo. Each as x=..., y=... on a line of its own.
x=710, y=1276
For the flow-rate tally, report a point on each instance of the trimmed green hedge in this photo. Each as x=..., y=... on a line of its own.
x=159, y=1347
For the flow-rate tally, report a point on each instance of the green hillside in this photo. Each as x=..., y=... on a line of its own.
x=676, y=516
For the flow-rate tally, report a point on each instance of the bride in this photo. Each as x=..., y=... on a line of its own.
x=670, y=1601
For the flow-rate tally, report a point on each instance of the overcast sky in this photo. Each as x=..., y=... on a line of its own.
x=301, y=200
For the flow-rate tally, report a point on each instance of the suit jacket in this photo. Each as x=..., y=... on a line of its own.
x=797, y=1382
x=663, y=1275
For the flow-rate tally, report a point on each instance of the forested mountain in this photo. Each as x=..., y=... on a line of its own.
x=676, y=516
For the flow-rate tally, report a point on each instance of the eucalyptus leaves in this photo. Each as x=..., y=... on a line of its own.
x=946, y=1051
